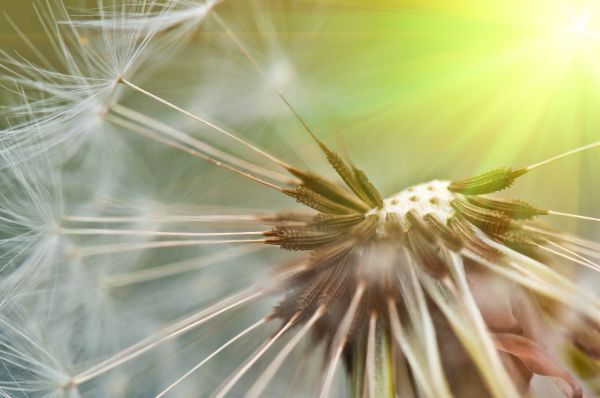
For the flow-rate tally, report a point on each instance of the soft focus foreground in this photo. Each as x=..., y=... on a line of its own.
x=152, y=155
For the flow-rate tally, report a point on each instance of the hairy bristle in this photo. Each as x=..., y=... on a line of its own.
x=489, y=182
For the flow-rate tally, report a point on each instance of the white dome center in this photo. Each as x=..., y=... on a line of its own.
x=429, y=198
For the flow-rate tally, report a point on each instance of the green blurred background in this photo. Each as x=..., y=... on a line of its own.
x=416, y=90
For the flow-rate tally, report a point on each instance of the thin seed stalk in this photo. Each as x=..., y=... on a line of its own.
x=357, y=372
x=378, y=381
x=387, y=367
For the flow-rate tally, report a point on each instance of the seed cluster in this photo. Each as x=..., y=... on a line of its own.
x=362, y=243
x=423, y=219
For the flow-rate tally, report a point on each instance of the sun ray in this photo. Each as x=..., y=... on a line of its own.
x=396, y=291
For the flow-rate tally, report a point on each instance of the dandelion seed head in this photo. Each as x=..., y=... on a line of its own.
x=183, y=15
x=281, y=75
x=64, y=103
x=429, y=198
x=439, y=283
x=31, y=364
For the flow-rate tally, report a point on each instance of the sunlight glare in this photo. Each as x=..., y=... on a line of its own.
x=580, y=27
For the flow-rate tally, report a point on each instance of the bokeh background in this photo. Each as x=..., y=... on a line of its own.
x=410, y=90
x=415, y=90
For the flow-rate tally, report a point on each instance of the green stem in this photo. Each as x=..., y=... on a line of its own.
x=382, y=383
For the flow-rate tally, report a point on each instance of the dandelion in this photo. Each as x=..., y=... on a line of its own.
x=56, y=100
x=117, y=283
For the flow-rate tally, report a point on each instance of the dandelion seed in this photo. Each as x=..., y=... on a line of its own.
x=410, y=295
x=57, y=102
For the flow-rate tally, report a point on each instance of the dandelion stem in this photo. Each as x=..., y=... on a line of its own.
x=225, y=388
x=299, y=373
x=197, y=144
x=125, y=247
x=149, y=134
x=537, y=277
x=127, y=232
x=580, y=217
x=419, y=340
x=491, y=364
x=563, y=155
x=166, y=219
x=262, y=382
x=340, y=339
x=580, y=243
x=179, y=267
x=172, y=332
x=206, y=122
x=212, y=355
x=407, y=348
x=579, y=259
x=260, y=70
x=370, y=368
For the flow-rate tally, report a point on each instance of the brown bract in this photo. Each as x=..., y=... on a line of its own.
x=358, y=242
